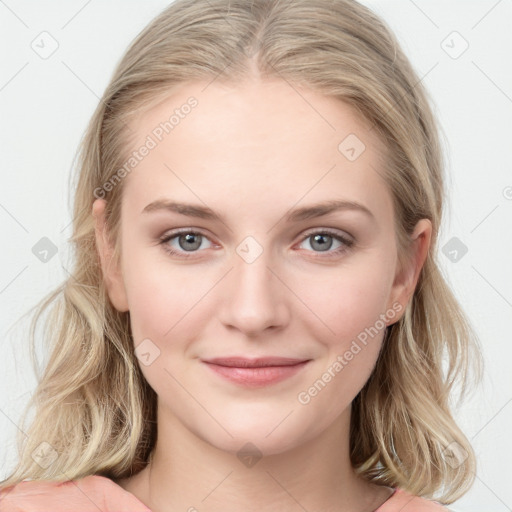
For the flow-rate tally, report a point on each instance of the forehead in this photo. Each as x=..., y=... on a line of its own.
x=255, y=147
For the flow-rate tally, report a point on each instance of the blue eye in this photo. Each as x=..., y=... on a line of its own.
x=186, y=238
x=189, y=241
x=318, y=240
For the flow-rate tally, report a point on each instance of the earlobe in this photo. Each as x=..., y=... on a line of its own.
x=112, y=275
x=405, y=281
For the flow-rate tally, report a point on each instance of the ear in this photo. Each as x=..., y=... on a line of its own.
x=406, y=279
x=112, y=275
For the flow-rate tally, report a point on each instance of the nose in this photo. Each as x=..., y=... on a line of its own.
x=254, y=298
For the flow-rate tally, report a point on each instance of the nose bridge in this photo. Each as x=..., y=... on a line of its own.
x=252, y=276
x=254, y=300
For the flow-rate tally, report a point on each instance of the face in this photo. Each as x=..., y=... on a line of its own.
x=260, y=280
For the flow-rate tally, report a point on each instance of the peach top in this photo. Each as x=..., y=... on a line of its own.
x=95, y=493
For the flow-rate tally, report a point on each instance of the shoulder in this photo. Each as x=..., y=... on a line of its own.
x=403, y=501
x=88, y=494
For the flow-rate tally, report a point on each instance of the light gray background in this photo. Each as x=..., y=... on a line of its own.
x=45, y=106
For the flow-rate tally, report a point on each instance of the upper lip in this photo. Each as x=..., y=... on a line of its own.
x=243, y=362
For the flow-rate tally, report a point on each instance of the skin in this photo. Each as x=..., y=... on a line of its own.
x=253, y=152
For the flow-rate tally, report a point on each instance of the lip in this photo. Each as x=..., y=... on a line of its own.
x=254, y=362
x=256, y=372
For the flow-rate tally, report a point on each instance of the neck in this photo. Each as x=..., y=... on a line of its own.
x=188, y=473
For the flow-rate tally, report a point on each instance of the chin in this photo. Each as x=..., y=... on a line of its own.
x=270, y=438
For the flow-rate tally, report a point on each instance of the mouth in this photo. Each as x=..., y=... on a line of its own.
x=256, y=372
x=256, y=362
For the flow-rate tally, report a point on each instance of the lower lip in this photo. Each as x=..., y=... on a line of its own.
x=257, y=377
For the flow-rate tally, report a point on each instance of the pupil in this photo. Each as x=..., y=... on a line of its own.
x=189, y=237
x=323, y=245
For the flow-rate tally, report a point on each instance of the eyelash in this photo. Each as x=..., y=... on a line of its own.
x=347, y=244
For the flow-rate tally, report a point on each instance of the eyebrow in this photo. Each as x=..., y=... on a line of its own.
x=295, y=215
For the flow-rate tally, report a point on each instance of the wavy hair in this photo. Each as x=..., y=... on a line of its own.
x=94, y=411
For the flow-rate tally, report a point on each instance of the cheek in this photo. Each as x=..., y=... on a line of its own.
x=351, y=330
x=159, y=294
x=346, y=301
x=160, y=302
x=164, y=306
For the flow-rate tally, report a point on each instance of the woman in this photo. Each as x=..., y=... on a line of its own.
x=207, y=354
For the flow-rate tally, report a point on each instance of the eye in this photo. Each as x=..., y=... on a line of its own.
x=322, y=241
x=189, y=241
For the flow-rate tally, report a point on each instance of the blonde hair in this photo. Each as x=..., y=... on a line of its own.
x=93, y=405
